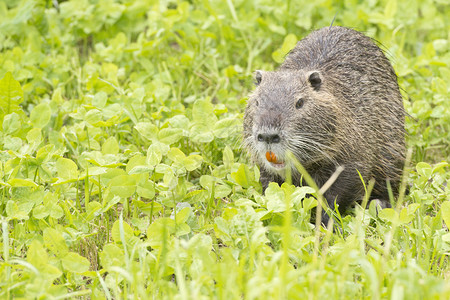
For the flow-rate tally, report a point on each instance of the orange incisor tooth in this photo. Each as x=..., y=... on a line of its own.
x=271, y=156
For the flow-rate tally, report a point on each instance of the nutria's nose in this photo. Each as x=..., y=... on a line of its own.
x=269, y=138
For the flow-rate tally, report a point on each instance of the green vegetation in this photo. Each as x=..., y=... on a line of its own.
x=122, y=174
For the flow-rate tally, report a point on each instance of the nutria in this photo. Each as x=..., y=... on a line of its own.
x=335, y=101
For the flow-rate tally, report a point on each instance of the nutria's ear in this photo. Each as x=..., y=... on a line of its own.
x=315, y=80
x=258, y=77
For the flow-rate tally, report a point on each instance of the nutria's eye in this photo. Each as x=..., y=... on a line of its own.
x=257, y=103
x=299, y=103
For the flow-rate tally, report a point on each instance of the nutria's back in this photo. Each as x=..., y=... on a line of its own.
x=334, y=102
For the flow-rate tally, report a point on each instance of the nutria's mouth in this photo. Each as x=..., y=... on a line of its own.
x=278, y=165
x=274, y=161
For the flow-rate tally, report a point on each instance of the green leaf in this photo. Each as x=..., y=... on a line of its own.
x=40, y=212
x=243, y=176
x=176, y=155
x=183, y=215
x=11, y=123
x=179, y=121
x=300, y=192
x=390, y=215
x=34, y=138
x=14, y=211
x=112, y=255
x=93, y=117
x=170, y=136
x=128, y=232
x=227, y=127
x=100, y=99
x=19, y=182
x=275, y=198
x=66, y=169
x=147, y=130
x=11, y=95
x=146, y=189
x=424, y=169
x=203, y=113
x=445, y=211
x=36, y=254
x=159, y=231
x=110, y=146
x=155, y=153
x=123, y=186
x=55, y=242
x=390, y=9
x=200, y=133
x=41, y=115
x=191, y=162
x=12, y=143
x=228, y=156
x=74, y=262
x=288, y=44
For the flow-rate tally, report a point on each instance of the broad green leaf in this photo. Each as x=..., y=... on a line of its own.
x=228, y=156
x=183, y=215
x=12, y=143
x=40, y=212
x=288, y=44
x=123, y=186
x=34, y=138
x=36, y=254
x=11, y=95
x=136, y=160
x=389, y=214
x=55, y=242
x=147, y=130
x=160, y=230
x=155, y=153
x=202, y=113
x=176, y=155
x=128, y=232
x=300, y=192
x=100, y=99
x=44, y=151
x=40, y=115
x=179, y=121
x=390, y=9
x=182, y=229
x=170, y=136
x=146, y=189
x=92, y=209
x=275, y=198
x=424, y=169
x=112, y=255
x=445, y=211
x=11, y=123
x=227, y=127
x=19, y=182
x=207, y=181
x=14, y=211
x=201, y=133
x=74, y=262
x=38, y=257
x=66, y=169
x=148, y=207
x=140, y=170
x=222, y=191
x=93, y=117
x=110, y=146
x=243, y=176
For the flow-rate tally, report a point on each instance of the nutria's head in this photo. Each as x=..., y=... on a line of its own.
x=290, y=110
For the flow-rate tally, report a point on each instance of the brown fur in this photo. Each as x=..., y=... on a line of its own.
x=350, y=114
